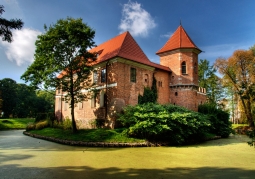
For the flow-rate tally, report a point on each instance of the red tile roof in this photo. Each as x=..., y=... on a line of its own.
x=179, y=39
x=126, y=47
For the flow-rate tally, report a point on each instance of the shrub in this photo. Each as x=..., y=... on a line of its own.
x=30, y=126
x=219, y=119
x=67, y=124
x=251, y=134
x=170, y=123
x=41, y=124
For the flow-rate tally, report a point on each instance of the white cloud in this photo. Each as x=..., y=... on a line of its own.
x=136, y=20
x=167, y=35
x=22, y=48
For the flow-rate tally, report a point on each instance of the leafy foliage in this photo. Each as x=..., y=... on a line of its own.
x=210, y=81
x=251, y=134
x=149, y=95
x=7, y=25
x=19, y=100
x=62, y=60
x=220, y=124
x=170, y=123
x=239, y=75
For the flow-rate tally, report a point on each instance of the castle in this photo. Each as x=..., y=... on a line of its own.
x=122, y=70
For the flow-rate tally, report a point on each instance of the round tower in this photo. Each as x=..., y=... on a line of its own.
x=180, y=54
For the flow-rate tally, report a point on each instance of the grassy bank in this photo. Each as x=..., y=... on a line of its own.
x=18, y=123
x=238, y=125
x=87, y=135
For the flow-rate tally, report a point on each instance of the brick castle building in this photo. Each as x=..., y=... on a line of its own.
x=122, y=70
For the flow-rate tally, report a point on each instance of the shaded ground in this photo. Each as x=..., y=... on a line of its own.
x=25, y=157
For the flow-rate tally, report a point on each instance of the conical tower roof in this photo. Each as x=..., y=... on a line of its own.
x=179, y=40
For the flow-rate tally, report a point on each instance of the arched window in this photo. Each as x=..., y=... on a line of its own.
x=184, y=71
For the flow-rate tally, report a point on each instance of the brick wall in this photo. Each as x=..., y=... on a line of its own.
x=174, y=59
x=162, y=78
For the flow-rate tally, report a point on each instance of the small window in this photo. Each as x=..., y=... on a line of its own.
x=195, y=68
x=80, y=105
x=184, y=71
x=93, y=101
x=146, y=77
x=65, y=106
x=133, y=75
x=103, y=75
x=176, y=93
x=159, y=83
x=95, y=77
x=59, y=103
x=102, y=99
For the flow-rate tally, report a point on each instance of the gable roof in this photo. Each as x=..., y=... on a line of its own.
x=126, y=47
x=179, y=40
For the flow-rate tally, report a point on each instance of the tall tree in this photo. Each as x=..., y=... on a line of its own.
x=238, y=72
x=210, y=81
x=9, y=96
x=63, y=61
x=7, y=25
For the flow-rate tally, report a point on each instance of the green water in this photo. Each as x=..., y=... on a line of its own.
x=25, y=157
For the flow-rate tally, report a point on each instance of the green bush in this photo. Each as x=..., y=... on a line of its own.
x=66, y=124
x=219, y=119
x=251, y=134
x=170, y=123
x=30, y=126
x=41, y=124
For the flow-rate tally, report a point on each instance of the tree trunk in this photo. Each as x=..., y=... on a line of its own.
x=247, y=109
x=249, y=116
x=72, y=104
x=72, y=114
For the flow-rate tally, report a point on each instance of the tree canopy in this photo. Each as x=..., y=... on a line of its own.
x=239, y=74
x=7, y=25
x=20, y=100
x=210, y=81
x=62, y=60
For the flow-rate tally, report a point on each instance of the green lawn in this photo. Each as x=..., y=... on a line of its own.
x=87, y=135
x=18, y=123
x=237, y=125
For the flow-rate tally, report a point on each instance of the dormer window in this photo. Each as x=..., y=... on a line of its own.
x=184, y=68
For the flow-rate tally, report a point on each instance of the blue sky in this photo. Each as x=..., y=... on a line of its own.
x=218, y=28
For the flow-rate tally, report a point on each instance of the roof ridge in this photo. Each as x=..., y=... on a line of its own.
x=126, y=33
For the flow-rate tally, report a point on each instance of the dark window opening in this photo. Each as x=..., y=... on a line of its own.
x=176, y=93
x=103, y=75
x=159, y=83
x=95, y=77
x=184, y=71
x=133, y=75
